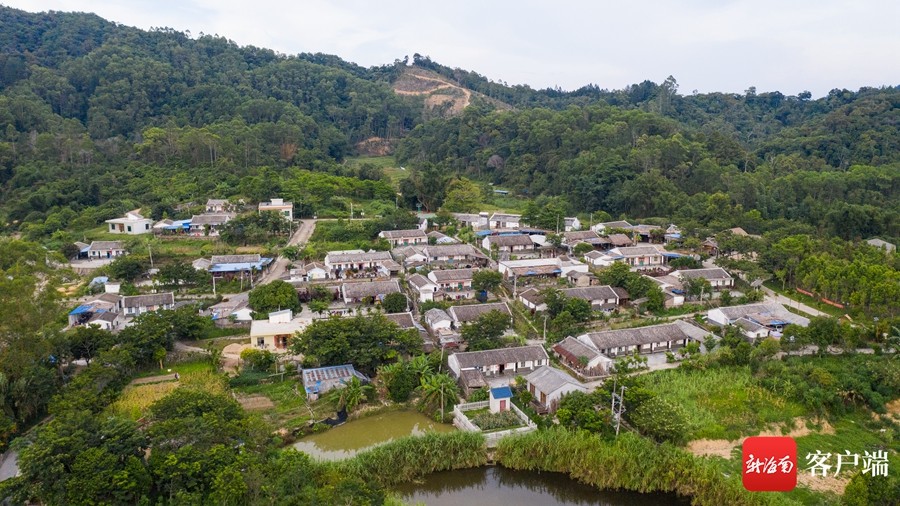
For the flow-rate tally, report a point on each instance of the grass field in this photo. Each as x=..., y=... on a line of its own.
x=291, y=409
x=805, y=299
x=196, y=366
x=136, y=399
x=721, y=403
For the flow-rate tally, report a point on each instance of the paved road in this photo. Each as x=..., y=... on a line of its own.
x=301, y=236
x=10, y=466
x=775, y=297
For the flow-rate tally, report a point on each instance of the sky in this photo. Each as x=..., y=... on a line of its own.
x=774, y=45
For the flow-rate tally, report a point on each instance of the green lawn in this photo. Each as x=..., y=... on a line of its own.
x=291, y=409
x=805, y=299
x=721, y=403
x=182, y=368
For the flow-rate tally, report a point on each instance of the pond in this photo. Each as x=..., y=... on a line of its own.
x=498, y=485
x=348, y=439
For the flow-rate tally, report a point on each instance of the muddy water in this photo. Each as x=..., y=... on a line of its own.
x=350, y=438
x=498, y=485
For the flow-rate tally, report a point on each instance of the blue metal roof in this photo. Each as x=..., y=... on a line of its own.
x=99, y=280
x=501, y=393
x=242, y=266
x=669, y=254
x=85, y=308
x=483, y=233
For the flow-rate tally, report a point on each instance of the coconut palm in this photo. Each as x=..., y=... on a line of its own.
x=439, y=390
x=351, y=395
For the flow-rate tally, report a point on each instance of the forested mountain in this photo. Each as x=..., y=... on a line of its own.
x=96, y=117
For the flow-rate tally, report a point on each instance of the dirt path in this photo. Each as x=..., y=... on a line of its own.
x=723, y=447
x=442, y=84
x=154, y=379
x=301, y=236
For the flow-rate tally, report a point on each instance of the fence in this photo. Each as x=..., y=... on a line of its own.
x=462, y=422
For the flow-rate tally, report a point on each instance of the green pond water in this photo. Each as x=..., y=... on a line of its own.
x=350, y=438
x=497, y=485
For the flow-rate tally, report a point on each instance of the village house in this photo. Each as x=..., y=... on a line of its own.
x=636, y=257
x=231, y=266
x=459, y=255
x=172, y=227
x=581, y=358
x=315, y=271
x=346, y=264
x=368, y=291
x=423, y=287
x=500, y=399
x=548, y=385
x=651, y=339
x=507, y=221
x=132, y=224
x=454, y=284
x=672, y=289
x=647, y=233
x=103, y=303
x=462, y=315
x=105, y=249
x=620, y=240
x=533, y=300
x=410, y=256
x=572, y=239
x=108, y=321
x=582, y=279
x=285, y=209
x=277, y=332
x=757, y=320
x=136, y=305
x=603, y=298
x=440, y=238
x=399, y=238
x=406, y=321
x=572, y=224
x=476, y=221
x=320, y=380
x=209, y=224
x=515, y=244
x=487, y=363
x=236, y=307
x=718, y=278
x=219, y=206
x=604, y=228
x=540, y=267
x=436, y=318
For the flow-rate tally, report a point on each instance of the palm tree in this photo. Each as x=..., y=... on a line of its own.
x=420, y=365
x=351, y=395
x=385, y=376
x=439, y=389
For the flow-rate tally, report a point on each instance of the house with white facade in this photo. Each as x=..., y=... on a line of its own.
x=285, y=209
x=462, y=315
x=364, y=291
x=423, y=287
x=718, y=278
x=131, y=224
x=105, y=249
x=454, y=284
x=606, y=227
x=514, y=244
x=343, y=264
x=277, y=332
x=510, y=361
x=540, y=267
x=399, y=238
x=753, y=318
x=548, y=385
x=572, y=224
x=136, y=305
x=636, y=257
x=458, y=255
x=209, y=224
x=650, y=339
x=476, y=221
x=503, y=220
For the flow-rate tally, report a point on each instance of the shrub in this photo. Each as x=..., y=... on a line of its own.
x=258, y=360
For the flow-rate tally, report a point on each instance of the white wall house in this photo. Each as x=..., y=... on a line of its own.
x=285, y=209
x=423, y=287
x=548, y=385
x=139, y=304
x=105, y=249
x=132, y=224
x=399, y=238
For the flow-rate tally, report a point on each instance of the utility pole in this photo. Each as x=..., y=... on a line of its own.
x=214, y=283
x=150, y=251
x=545, y=328
x=618, y=410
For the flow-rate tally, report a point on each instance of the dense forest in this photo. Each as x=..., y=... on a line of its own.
x=97, y=118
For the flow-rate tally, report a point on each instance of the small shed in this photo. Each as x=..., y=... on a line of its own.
x=500, y=399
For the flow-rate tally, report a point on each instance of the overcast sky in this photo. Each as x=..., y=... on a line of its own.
x=708, y=45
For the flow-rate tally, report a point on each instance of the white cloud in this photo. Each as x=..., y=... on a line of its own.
x=707, y=45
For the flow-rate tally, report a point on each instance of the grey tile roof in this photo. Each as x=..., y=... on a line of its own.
x=371, y=256
x=620, y=239
x=470, y=359
x=763, y=311
x=573, y=349
x=448, y=275
x=507, y=241
x=106, y=245
x=548, y=379
x=403, y=234
x=156, y=299
x=470, y=313
x=211, y=219
x=636, y=251
x=235, y=259
x=419, y=281
x=403, y=320
x=713, y=273
x=435, y=315
x=369, y=289
x=674, y=331
x=453, y=250
x=591, y=293
x=616, y=224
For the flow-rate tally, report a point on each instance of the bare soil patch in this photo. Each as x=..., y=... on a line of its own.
x=255, y=402
x=723, y=447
